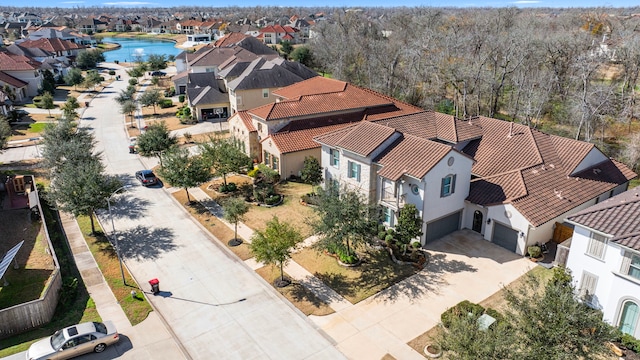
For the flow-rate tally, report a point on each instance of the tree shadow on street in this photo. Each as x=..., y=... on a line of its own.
x=127, y=207
x=144, y=243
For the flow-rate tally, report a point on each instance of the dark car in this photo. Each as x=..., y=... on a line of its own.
x=159, y=73
x=146, y=177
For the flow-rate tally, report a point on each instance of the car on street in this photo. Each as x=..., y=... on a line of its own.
x=146, y=177
x=75, y=340
x=159, y=73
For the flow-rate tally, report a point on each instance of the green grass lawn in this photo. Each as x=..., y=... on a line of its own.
x=37, y=127
x=136, y=309
x=376, y=273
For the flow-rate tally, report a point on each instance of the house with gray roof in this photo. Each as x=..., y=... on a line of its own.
x=604, y=259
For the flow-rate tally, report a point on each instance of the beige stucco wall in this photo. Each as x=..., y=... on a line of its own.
x=292, y=163
x=251, y=99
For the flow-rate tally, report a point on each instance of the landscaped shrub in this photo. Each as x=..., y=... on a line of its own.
x=345, y=258
x=253, y=172
x=494, y=314
x=388, y=238
x=133, y=81
x=181, y=98
x=391, y=231
x=165, y=103
x=382, y=235
x=171, y=92
x=112, y=72
x=630, y=342
x=272, y=200
x=534, y=251
x=230, y=187
x=381, y=227
x=311, y=199
x=37, y=101
x=462, y=308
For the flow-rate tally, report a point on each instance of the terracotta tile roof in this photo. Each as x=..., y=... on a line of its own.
x=230, y=39
x=11, y=62
x=13, y=81
x=616, y=216
x=497, y=189
x=278, y=29
x=313, y=86
x=246, y=119
x=365, y=137
x=52, y=45
x=412, y=156
x=298, y=140
x=572, y=152
x=432, y=125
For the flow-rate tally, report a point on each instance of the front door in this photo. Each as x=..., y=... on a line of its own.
x=477, y=221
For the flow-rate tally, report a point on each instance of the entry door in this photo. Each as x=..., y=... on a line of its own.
x=629, y=318
x=477, y=221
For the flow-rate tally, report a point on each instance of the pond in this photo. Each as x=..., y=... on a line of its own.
x=133, y=49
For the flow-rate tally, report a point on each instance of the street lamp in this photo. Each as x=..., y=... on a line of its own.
x=113, y=229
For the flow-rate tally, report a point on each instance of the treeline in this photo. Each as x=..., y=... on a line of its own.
x=577, y=68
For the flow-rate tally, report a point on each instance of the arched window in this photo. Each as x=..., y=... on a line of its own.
x=629, y=318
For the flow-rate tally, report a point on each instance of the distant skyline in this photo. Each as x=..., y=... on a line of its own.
x=340, y=3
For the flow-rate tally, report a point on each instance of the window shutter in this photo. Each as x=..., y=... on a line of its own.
x=626, y=261
x=442, y=186
x=453, y=184
x=359, y=168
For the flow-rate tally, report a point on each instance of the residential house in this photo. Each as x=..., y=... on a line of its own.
x=275, y=34
x=91, y=25
x=22, y=68
x=251, y=84
x=506, y=181
x=280, y=134
x=61, y=53
x=604, y=259
x=207, y=96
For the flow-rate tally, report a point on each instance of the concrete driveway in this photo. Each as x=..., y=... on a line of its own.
x=462, y=266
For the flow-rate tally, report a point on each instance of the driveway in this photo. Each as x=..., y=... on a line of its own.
x=462, y=266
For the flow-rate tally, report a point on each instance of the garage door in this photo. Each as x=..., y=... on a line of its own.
x=442, y=227
x=505, y=237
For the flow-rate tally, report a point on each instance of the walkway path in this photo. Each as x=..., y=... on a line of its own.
x=146, y=340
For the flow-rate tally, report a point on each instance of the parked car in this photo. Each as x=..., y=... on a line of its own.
x=159, y=73
x=75, y=340
x=146, y=177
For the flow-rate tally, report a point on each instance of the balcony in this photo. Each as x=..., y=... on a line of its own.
x=389, y=199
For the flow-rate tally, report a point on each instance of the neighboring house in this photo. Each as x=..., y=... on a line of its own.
x=62, y=49
x=250, y=84
x=22, y=68
x=604, y=259
x=280, y=134
x=91, y=25
x=274, y=34
x=516, y=184
x=207, y=96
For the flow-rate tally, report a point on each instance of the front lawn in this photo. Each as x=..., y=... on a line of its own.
x=105, y=255
x=376, y=272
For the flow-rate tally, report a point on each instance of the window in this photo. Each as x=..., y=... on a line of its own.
x=265, y=93
x=334, y=156
x=354, y=171
x=266, y=158
x=588, y=286
x=259, y=126
x=596, y=246
x=275, y=164
x=628, y=318
x=631, y=265
x=387, y=215
x=448, y=185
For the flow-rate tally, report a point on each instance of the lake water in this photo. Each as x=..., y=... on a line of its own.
x=138, y=49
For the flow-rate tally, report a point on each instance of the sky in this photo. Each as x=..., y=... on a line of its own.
x=338, y=3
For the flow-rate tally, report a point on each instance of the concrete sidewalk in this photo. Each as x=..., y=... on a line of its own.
x=150, y=338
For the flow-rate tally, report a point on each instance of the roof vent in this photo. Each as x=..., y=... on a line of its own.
x=510, y=130
x=543, y=167
x=558, y=194
x=534, y=171
x=596, y=171
x=552, y=166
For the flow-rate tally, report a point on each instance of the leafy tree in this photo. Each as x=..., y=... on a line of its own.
x=63, y=142
x=137, y=71
x=311, y=171
x=345, y=219
x=48, y=82
x=303, y=55
x=274, y=245
x=92, y=79
x=543, y=320
x=69, y=108
x=156, y=62
x=125, y=95
x=223, y=157
x=155, y=80
x=234, y=210
x=409, y=225
x=5, y=132
x=47, y=102
x=155, y=141
x=128, y=108
x=631, y=151
x=89, y=59
x=151, y=98
x=82, y=187
x=74, y=77
x=182, y=170
x=286, y=48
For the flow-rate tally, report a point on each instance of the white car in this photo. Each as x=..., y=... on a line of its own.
x=74, y=340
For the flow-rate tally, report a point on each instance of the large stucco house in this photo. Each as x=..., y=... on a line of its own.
x=604, y=258
x=506, y=181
